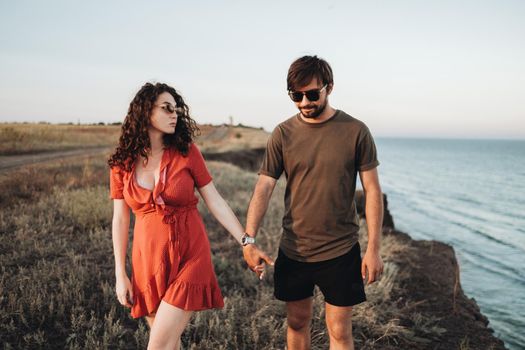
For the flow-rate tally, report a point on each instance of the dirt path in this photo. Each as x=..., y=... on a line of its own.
x=8, y=163
x=217, y=134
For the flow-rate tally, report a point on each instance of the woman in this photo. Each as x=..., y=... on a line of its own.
x=154, y=171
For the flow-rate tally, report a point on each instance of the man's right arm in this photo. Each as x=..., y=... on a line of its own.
x=258, y=205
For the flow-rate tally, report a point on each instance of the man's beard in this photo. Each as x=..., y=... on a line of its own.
x=315, y=112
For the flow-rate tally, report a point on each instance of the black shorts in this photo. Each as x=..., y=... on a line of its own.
x=339, y=279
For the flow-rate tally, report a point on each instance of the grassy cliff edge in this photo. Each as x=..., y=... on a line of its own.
x=57, y=285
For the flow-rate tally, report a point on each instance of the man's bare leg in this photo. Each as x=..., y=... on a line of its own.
x=339, y=324
x=299, y=316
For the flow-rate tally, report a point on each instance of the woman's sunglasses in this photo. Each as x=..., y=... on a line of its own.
x=170, y=108
x=311, y=95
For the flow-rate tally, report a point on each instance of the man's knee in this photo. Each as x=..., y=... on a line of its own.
x=340, y=331
x=298, y=323
x=299, y=315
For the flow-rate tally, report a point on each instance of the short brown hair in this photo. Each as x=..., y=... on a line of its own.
x=306, y=68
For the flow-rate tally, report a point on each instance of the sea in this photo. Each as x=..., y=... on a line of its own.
x=469, y=194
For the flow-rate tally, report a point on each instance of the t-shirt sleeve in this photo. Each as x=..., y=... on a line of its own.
x=366, y=151
x=272, y=164
x=116, y=183
x=198, y=169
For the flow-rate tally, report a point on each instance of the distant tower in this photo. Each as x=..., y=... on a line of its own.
x=231, y=120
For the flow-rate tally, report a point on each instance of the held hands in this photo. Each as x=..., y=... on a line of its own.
x=124, y=291
x=372, y=263
x=256, y=259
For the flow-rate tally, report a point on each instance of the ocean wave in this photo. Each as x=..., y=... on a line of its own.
x=488, y=236
x=468, y=200
x=488, y=264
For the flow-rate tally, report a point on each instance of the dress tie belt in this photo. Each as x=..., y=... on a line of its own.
x=172, y=216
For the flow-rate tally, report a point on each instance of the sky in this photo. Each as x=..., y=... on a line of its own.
x=446, y=69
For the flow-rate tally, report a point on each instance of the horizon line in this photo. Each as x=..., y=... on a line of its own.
x=377, y=136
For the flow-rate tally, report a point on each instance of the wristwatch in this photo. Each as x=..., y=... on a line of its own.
x=245, y=240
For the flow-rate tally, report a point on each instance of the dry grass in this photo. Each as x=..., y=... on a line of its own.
x=57, y=285
x=29, y=182
x=25, y=138
x=230, y=138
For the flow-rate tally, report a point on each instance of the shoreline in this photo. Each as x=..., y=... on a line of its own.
x=432, y=287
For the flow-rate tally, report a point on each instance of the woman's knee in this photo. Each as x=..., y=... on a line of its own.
x=162, y=344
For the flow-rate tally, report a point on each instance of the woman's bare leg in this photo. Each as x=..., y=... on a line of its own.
x=150, y=318
x=169, y=324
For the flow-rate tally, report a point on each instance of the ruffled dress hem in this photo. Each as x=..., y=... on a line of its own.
x=184, y=295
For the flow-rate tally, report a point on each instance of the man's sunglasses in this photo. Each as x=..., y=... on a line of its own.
x=311, y=95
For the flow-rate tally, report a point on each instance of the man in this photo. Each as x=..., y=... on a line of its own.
x=320, y=150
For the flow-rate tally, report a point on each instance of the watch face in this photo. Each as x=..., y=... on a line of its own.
x=247, y=240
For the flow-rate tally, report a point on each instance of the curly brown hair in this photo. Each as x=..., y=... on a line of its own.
x=134, y=138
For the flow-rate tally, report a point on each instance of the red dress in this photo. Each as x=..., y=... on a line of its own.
x=171, y=258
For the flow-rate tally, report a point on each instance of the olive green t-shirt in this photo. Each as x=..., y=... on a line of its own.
x=320, y=162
